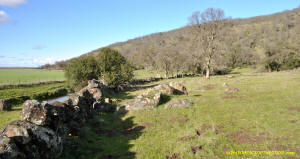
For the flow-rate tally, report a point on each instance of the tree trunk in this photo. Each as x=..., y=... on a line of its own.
x=207, y=73
x=208, y=68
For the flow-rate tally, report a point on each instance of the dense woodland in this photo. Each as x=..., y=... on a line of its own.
x=269, y=42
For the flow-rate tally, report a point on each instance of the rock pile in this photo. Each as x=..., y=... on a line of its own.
x=149, y=99
x=152, y=97
x=44, y=126
x=172, y=88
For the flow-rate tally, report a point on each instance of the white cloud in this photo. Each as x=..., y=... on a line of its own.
x=12, y=3
x=3, y=17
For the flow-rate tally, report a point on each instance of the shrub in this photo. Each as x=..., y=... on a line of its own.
x=80, y=70
x=114, y=67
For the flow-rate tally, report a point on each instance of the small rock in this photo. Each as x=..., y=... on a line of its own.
x=4, y=105
x=107, y=100
x=179, y=103
x=231, y=90
x=225, y=85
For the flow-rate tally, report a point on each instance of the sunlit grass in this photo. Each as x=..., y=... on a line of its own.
x=264, y=115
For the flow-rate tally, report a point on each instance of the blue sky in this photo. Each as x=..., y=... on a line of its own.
x=35, y=32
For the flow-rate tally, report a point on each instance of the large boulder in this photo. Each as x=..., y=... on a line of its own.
x=8, y=149
x=4, y=105
x=44, y=114
x=35, y=112
x=35, y=141
x=94, y=87
x=179, y=103
x=179, y=87
x=147, y=100
x=165, y=88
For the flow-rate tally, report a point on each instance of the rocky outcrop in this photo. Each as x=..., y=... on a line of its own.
x=152, y=97
x=172, y=88
x=43, y=126
x=165, y=88
x=179, y=87
x=179, y=103
x=147, y=100
x=4, y=105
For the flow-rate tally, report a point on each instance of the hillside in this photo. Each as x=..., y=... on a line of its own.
x=254, y=36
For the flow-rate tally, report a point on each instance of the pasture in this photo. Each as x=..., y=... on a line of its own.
x=263, y=115
x=27, y=76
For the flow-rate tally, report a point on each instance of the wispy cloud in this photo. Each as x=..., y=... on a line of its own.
x=3, y=17
x=39, y=47
x=12, y=3
x=26, y=61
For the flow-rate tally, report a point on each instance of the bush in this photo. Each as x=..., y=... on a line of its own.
x=80, y=70
x=114, y=67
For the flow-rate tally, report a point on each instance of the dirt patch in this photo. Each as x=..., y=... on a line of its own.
x=207, y=87
x=242, y=137
x=231, y=90
x=187, y=138
x=146, y=124
x=132, y=130
x=195, y=149
x=200, y=132
x=184, y=120
x=293, y=121
x=229, y=97
x=206, y=127
x=277, y=147
x=174, y=156
x=297, y=109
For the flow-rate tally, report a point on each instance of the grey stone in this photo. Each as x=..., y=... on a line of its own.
x=179, y=103
x=4, y=105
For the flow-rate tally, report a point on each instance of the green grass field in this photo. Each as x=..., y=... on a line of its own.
x=37, y=91
x=263, y=116
x=21, y=76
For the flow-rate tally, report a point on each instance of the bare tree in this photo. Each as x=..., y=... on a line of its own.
x=207, y=27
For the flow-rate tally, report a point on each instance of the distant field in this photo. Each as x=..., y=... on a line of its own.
x=21, y=76
x=18, y=95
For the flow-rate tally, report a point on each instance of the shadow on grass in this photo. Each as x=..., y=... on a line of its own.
x=138, y=87
x=164, y=99
x=107, y=136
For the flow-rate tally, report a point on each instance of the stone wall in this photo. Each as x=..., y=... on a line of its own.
x=44, y=126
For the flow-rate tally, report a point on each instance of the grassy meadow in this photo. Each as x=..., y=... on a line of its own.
x=263, y=116
x=11, y=90
x=18, y=95
x=21, y=76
